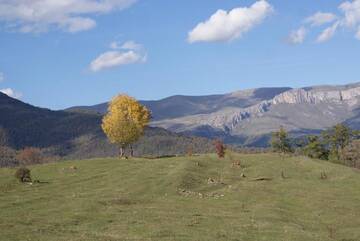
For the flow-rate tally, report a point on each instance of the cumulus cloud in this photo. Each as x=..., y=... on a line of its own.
x=320, y=18
x=328, y=33
x=68, y=15
x=225, y=26
x=297, y=36
x=12, y=93
x=127, y=53
x=2, y=77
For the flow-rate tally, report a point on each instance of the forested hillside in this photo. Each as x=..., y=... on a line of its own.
x=79, y=135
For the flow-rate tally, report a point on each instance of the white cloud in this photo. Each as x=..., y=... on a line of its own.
x=328, y=33
x=12, y=93
x=320, y=18
x=2, y=77
x=128, y=53
x=297, y=36
x=351, y=10
x=114, y=45
x=129, y=45
x=358, y=34
x=115, y=58
x=349, y=17
x=68, y=15
x=79, y=24
x=226, y=26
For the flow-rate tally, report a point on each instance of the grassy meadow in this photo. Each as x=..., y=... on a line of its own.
x=267, y=197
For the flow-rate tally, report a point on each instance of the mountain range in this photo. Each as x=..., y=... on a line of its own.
x=248, y=117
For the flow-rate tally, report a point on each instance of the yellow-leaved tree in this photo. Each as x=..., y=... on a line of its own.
x=125, y=122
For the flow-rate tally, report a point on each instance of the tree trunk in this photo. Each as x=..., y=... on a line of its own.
x=122, y=152
x=131, y=151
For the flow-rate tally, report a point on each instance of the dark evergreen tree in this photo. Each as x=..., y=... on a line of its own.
x=3, y=137
x=337, y=138
x=280, y=141
x=315, y=148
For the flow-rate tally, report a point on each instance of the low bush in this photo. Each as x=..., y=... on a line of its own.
x=220, y=148
x=23, y=174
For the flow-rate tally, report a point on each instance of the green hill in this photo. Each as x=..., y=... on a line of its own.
x=185, y=198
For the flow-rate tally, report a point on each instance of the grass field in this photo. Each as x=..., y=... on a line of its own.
x=174, y=199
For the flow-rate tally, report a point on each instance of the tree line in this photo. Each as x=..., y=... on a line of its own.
x=339, y=144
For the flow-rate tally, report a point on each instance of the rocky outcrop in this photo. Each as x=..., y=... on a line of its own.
x=297, y=96
x=230, y=118
x=300, y=96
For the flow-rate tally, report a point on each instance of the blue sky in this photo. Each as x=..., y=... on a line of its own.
x=51, y=61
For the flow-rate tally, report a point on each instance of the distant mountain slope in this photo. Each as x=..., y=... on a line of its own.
x=180, y=106
x=32, y=126
x=248, y=117
x=298, y=110
x=79, y=134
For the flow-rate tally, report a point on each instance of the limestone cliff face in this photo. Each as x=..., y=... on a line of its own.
x=230, y=118
x=300, y=96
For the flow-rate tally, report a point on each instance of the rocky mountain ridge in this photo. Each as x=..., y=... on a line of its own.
x=230, y=118
x=245, y=117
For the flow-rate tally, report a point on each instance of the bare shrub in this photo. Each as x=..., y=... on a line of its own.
x=220, y=148
x=8, y=157
x=30, y=155
x=350, y=155
x=190, y=151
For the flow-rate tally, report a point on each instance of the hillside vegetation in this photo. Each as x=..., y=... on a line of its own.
x=242, y=197
x=78, y=135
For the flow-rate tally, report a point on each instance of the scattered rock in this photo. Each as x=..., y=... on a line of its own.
x=211, y=181
x=236, y=164
x=187, y=193
x=216, y=195
x=262, y=179
x=323, y=175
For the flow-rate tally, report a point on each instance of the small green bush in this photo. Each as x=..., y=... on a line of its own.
x=280, y=141
x=23, y=174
